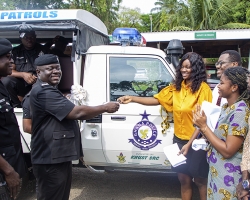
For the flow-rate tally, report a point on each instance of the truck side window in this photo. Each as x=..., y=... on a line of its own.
x=137, y=76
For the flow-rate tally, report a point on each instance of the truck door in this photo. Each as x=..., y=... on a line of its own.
x=135, y=136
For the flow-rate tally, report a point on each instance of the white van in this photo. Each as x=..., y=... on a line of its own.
x=131, y=139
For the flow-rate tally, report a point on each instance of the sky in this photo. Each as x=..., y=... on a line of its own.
x=144, y=5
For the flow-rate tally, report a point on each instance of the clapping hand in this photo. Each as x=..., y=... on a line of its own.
x=199, y=117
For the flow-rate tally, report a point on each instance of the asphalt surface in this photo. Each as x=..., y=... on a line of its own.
x=117, y=186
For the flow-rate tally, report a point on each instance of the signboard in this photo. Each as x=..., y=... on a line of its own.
x=205, y=35
x=110, y=38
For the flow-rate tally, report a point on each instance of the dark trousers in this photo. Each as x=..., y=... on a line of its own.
x=53, y=180
x=16, y=87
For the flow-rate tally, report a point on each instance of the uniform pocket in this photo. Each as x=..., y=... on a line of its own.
x=63, y=144
x=20, y=61
x=5, y=109
x=57, y=135
x=7, y=151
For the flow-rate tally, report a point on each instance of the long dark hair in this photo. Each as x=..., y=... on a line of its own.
x=198, y=71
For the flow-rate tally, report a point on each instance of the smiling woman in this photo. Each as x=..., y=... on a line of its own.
x=227, y=139
x=190, y=88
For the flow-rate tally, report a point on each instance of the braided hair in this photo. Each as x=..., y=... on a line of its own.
x=238, y=76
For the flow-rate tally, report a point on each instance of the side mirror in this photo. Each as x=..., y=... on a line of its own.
x=174, y=51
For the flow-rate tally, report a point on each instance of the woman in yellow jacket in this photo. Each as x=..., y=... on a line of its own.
x=190, y=88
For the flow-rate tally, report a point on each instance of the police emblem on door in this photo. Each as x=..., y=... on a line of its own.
x=121, y=158
x=145, y=134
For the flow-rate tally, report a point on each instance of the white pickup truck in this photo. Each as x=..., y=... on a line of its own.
x=131, y=139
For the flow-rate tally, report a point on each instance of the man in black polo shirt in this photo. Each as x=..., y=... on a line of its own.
x=24, y=73
x=56, y=139
x=12, y=165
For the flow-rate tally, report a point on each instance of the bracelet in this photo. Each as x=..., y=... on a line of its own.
x=203, y=131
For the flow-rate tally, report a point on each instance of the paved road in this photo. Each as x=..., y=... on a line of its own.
x=117, y=186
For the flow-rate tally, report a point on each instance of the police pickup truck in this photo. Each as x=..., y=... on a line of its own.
x=133, y=138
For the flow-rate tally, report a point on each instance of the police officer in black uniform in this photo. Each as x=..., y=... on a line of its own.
x=24, y=72
x=26, y=113
x=56, y=139
x=12, y=165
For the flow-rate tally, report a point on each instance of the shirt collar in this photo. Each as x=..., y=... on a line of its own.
x=184, y=85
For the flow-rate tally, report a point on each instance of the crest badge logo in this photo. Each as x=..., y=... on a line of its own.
x=121, y=158
x=145, y=134
x=41, y=53
x=167, y=163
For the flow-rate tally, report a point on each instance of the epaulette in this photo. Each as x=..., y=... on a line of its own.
x=2, y=100
x=44, y=84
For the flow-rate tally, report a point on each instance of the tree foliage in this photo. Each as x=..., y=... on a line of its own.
x=240, y=11
x=129, y=17
x=106, y=10
x=166, y=15
x=32, y=4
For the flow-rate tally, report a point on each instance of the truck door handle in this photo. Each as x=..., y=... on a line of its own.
x=118, y=118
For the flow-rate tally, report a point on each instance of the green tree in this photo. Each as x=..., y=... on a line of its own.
x=170, y=13
x=130, y=18
x=209, y=14
x=193, y=14
x=239, y=11
x=10, y=5
x=145, y=23
x=31, y=4
x=248, y=16
x=106, y=10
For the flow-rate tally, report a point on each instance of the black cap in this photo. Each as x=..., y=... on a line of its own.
x=5, y=46
x=26, y=29
x=63, y=40
x=46, y=59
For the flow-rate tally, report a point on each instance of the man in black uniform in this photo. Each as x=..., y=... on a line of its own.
x=26, y=114
x=12, y=165
x=56, y=139
x=24, y=73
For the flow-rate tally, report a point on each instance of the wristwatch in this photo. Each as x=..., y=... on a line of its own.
x=245, y=184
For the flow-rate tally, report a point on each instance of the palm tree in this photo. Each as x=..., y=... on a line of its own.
x=193, y=14
x=106, y=10
x=170, y=13
x=208, y=14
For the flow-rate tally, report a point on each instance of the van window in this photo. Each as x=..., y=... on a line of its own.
x=137, y=76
